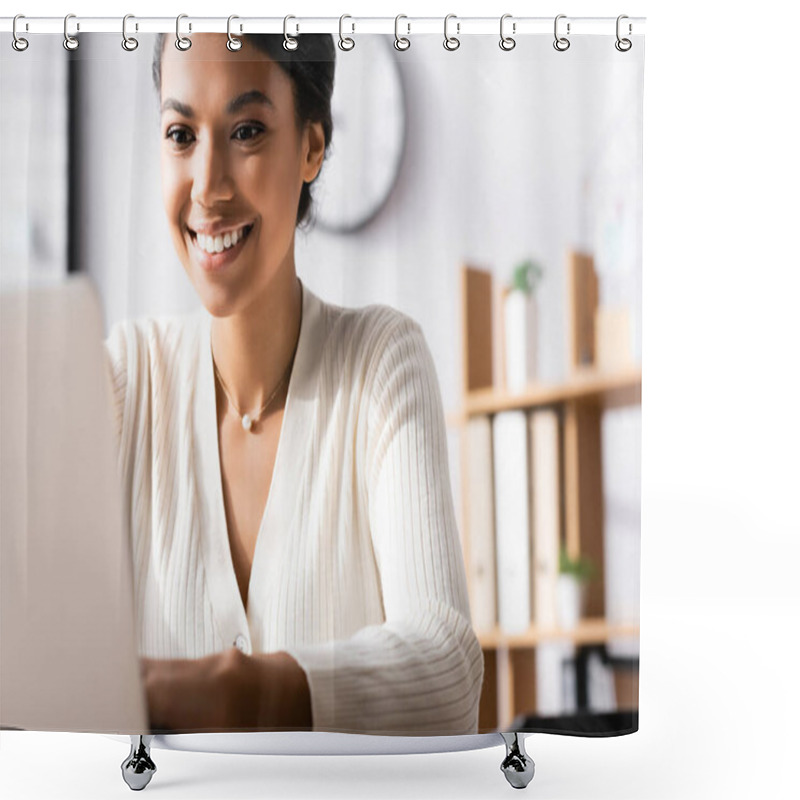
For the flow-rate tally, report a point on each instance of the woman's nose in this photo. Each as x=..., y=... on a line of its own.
x=211, y=182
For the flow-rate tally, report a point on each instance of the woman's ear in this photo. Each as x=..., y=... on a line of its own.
x=314, y=150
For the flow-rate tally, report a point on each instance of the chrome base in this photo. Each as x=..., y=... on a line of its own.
x=517, y=766
x=313, y=743
x=138, y=768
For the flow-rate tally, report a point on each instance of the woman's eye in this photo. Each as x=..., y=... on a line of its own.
x=178, y=136
x=247, y=132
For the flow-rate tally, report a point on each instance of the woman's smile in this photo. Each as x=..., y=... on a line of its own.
x=215, y=251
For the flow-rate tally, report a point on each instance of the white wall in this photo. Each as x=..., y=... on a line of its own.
x=33, y=161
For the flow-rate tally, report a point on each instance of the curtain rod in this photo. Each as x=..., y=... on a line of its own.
x=457, y=26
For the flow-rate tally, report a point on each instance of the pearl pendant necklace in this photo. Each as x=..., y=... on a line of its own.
x=247, y=420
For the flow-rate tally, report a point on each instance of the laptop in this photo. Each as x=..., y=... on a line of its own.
x=68, y=651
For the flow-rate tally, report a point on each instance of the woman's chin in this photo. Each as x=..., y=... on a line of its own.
x=217, y=301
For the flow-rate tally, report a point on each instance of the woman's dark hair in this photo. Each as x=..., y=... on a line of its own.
x=311, y=66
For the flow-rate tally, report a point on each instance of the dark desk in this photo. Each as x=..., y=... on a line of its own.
x=617, y=723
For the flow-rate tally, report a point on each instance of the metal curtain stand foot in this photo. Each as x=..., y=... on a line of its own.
x=138, y=768
x=517, y=766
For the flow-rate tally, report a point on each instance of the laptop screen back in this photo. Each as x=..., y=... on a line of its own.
x=68, y=656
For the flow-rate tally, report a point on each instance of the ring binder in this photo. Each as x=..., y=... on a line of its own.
x=129, y=43
x=507, y=42
x=345, y=42
x=561, y=43
x=451, y=42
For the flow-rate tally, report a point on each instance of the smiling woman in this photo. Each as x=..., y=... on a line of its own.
x=296, y=558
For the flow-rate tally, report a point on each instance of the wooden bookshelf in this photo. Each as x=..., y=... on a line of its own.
x=509, y=685
x=588, y=631
x=611, y=390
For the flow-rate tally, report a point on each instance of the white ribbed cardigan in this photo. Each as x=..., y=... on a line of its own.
x=358, y=571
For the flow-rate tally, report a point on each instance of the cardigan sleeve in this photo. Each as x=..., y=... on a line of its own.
x=421, y=671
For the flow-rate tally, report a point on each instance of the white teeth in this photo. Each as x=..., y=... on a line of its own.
x=216, y=244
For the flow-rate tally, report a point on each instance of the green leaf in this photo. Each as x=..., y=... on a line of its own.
x=526, y=276
x=582, y=567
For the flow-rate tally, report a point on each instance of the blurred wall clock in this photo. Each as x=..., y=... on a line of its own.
x=369, y=131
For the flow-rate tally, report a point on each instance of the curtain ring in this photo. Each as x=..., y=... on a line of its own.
x=289, y=42
x=70, y=42
x=507, y=42
x=345, y=42
x=561, y=43
x=128, y=42
x=182, y=42
x=451, y=42
x=623, y=45
x=233, y=44
x=400, y=42
x=18, y=43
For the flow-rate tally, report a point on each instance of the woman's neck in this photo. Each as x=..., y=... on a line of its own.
x=253, y=349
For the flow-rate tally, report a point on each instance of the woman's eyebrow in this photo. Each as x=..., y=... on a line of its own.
x=176, y=105
x=251, y=96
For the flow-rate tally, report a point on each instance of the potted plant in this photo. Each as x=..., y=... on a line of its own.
x=574, y=574
x=521, y=323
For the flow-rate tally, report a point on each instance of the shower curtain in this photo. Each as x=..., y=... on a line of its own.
x=436, y=529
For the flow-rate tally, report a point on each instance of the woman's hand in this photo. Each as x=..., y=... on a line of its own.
x=281, y=686
x=190, y=695
x=227, y=691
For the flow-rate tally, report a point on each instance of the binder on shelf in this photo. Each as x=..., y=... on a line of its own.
x=512, y=524
x=582, y=303
x=545, y=491
x=556, y=680
x=480, y=523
